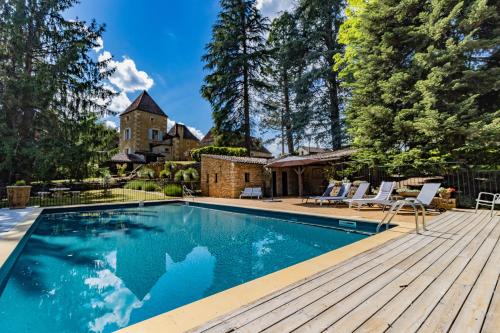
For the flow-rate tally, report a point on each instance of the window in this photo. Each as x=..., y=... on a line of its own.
x=154, y=134
x=167, y=150
x=152, y=119
x=128, y=134
x=127, y=118
x=247, y=177
x=216, y=178
x=208, y=177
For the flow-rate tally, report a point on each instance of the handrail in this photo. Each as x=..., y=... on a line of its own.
x=396, y=207
x=187, y=192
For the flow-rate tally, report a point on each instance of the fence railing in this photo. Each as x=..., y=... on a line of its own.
x=467, y=182
x=62, y=194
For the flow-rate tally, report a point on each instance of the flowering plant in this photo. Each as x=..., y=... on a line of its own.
x=447, y=190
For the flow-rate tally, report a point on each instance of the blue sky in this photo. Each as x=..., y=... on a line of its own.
x=157, y=46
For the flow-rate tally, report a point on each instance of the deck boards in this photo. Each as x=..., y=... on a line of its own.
x=445, y=279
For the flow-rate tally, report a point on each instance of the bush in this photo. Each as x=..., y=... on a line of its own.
x=142, y=185
x=134, y=185
x=20, y=183
x=213, y=150
x=173, y=190
x=150, y=187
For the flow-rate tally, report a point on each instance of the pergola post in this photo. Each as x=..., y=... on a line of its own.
x=300, y=170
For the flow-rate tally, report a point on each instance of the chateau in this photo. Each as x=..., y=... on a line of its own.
x=144, y=137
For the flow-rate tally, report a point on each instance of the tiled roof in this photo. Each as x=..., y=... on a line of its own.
x=316, y=149
x=187, y=133
x=239, y=159
x=144, y=102
x=127, y=158
x=208, y=137
x=336, y=154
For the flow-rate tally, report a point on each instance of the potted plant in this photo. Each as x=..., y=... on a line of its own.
x=18, y=194
x=445, y=193
x=407, y=193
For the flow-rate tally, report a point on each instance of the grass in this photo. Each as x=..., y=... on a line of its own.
x=96, y=196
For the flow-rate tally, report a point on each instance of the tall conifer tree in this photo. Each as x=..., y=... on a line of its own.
x=235, y=58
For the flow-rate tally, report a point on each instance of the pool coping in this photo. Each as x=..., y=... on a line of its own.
x=195, y=314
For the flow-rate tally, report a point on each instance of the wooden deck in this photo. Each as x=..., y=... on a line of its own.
x=444, y=280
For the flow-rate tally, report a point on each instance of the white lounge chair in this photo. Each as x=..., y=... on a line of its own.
x=341, y=195
x=327, y=193
x=359, y=194
x=383, y=197
x=489, y=200
x=426, y=194
x=251, y=192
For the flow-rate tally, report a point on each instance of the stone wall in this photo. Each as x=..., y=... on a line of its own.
x=230, y=177
x=140, y=122
x=182, y=147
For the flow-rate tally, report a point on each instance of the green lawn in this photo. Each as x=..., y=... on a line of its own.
x=95, y=196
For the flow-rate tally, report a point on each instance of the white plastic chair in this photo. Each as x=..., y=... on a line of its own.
x=482, y=200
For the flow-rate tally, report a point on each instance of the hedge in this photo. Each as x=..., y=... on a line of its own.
x=213, y=150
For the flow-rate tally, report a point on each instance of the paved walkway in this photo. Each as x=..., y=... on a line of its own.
x=9, y=218
x=444, y=280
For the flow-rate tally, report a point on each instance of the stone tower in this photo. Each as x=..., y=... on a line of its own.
x=142, y=124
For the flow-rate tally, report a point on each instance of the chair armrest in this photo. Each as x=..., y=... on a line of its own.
x=493, y=195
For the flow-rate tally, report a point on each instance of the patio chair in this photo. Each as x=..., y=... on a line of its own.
x=341, y=195
x=383, y=197
x=359, y=194
x=489, y=200
x=327, y=193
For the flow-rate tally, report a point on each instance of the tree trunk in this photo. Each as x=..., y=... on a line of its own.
x=288, y=114
x=334, y=112
x=246, y=97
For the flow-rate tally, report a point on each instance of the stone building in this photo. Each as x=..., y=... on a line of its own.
x=227, y=176
x=143, y=133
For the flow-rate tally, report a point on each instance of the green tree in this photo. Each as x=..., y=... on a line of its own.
x=281, y=112
x=319, y=84
x=423, y=76
x=235, y=58
x=48, y=80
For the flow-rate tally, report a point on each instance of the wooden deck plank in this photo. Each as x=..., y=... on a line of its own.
x=386, y=313
x=370, y=259
x=422, y=306
x=472, y=315
x=444, y=313
x=447, y=278
x=380, y=288
x=370, y=306
x=283, y=320
x=492, y=320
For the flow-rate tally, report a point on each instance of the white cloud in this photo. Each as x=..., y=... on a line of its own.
x=120, y=102
x=199, y=134
x=271, y=8
x=100, y=45
x=110, y=124
x=274, y=147
x=126, y=76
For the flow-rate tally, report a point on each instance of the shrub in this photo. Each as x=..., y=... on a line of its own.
x=20, y=183
x=121, y=169
x=150, y=187
x=190, y=174
x=134, y=185
x=173, y=190
x=213, y=150
x=146, y=172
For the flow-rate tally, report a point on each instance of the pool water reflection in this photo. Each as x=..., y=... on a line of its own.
x=102, y=270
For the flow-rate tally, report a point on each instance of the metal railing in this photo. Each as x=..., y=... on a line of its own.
x=81, y=193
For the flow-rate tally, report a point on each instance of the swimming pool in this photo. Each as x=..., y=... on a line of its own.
x=101, y=270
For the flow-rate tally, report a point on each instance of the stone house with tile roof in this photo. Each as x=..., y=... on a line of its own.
x=143, y=132
x=227, y=176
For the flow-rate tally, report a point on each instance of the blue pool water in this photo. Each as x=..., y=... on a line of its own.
x=98, y=271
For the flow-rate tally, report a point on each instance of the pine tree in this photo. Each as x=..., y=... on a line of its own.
x=47, y=78
x=320, y=21
x=235, y=58
x=281, y=111
x=423, y=76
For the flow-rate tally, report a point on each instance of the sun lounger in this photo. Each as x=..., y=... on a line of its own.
x=359, y=194
x=327, y=193
x=341, y=195
x=382, y=198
